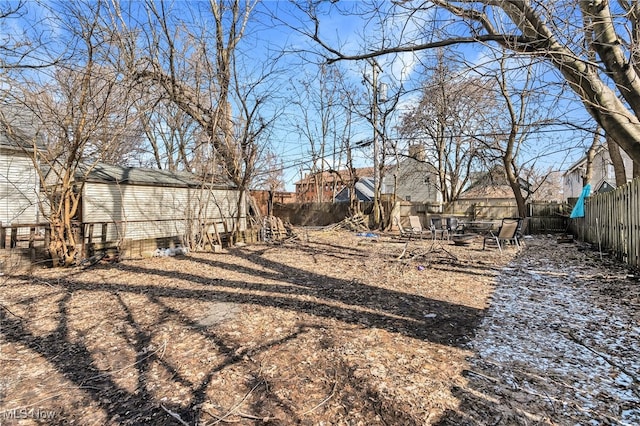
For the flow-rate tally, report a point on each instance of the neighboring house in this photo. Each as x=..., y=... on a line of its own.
x=603, y=176
x=493, y=185
x=329, y=184
x=416, y=180
x=154, y=206
x=551, y=189
x=19, y=181
x=490, y=196
x=364, y=188
x=488, y=192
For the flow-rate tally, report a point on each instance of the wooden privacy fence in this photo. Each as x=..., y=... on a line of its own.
x=547, y=217
x=612, y=221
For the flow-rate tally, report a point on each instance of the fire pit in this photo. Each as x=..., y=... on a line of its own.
x=462, y=239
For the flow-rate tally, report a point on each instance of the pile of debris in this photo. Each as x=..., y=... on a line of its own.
x=275, y=230
x=356, y=222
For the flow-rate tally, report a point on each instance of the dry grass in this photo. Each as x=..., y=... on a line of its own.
x=329, y=329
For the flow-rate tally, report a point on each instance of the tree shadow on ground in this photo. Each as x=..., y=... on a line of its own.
x=293, y=289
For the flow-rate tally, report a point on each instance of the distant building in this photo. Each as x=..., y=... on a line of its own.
x=261, y=197
x=603, y=176
x=415, y=179
x=324, y=186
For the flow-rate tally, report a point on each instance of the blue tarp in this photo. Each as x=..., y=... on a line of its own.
x=578, y=209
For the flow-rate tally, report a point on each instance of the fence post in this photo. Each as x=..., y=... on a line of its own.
x=3, y=236
x=14, y=237
x=32, y=238
x=47, y=237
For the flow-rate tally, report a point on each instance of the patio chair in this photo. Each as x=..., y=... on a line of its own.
x=438, y=228
x=416, y=226
x=405, y=232
x=454, y=227
x=522, y=228
x=508, y=232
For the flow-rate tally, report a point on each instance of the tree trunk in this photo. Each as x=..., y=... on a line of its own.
x=589, y=156
x=618, y=163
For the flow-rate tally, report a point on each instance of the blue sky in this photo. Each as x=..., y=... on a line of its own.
x=350, y=32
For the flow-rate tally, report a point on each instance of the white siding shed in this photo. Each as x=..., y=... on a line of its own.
x=148, y=204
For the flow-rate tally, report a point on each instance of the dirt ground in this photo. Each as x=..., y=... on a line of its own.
x=329, y=329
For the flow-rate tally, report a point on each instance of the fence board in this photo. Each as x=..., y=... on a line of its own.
x=612, y=221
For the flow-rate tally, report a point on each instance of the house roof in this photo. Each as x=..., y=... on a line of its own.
x=337, y=175
x=487, y=191
x=583, y=160
x=493, y=184
x=17, y=131
x=364, y=190
x=106, y=173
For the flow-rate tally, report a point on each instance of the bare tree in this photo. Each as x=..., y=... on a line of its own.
x=82, y=113
x=617, y=161
x=517, y=126
x=319, y=119
x=195, y=65
x=590, y=155
x=172, y=136
x=269, y=177
x=376, y=105
x=563, y=34
x=447, y=120
x=31, y=48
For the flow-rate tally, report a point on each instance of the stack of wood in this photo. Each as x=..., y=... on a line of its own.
x=273, y=229
x=352, y=223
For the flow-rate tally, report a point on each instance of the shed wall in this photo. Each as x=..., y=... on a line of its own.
x=151, y=212
x=18, y=189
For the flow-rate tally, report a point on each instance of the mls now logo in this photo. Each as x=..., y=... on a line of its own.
x=26, y=413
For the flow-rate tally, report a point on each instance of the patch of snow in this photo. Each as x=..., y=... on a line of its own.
x=545, y=329
x=177, y=251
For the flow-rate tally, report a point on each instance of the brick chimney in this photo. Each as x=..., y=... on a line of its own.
x=417, y=152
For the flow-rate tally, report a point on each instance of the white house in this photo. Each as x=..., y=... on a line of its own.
x=19, y=182
x=603, y=176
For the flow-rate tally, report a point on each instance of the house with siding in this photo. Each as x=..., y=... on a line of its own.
x=414, y=179
x=141, y=209
x=603, y=177
x=19, y=181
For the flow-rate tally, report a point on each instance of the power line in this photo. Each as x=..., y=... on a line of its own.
x=296, y=163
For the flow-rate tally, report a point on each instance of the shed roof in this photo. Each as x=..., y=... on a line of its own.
x=107, y=173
